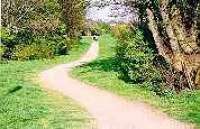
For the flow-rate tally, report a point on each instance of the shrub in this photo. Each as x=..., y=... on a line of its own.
x=103, y=28
x=2, y=50
x=44, y=47
x=136, y=58
x=119, y=30
x=61, y=46
x=10, y=37
x=32, y=51
x=22, y=44
x=6, y=42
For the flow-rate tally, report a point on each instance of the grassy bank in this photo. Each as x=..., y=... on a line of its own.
x=103, y=74
x=24, y=104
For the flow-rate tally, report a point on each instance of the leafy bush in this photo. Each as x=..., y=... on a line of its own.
x=120, y=30
x=136, y=58
x=6, y=42
x=44, y=47
x=55, y=43
x=11, y=37
x=103, y=28
x=32, y=51
x=23, y=45
x=2, y=49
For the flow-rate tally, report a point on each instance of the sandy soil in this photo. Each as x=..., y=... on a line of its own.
x=110, y=111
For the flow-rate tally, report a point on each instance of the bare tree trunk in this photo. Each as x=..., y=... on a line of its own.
x=168, y=25
x=162, y=50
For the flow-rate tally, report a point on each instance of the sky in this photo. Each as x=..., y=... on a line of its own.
x=110, y=12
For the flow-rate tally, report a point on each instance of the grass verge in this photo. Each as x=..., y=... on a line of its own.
x=102, y=73
x=26, y=105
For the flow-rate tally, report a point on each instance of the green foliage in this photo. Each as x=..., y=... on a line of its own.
x=135, y=58
x=24, y=45
x=103, y=28
x=57, y=44
x=2, y=50
x=11, y=38
x=33, y=51
x=44, y=48
x=6, y=42
x=6, y=36
x=40, y=16
x=117, y=30
x=73, y=12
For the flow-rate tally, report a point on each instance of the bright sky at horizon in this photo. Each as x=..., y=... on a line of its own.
x=110, y=13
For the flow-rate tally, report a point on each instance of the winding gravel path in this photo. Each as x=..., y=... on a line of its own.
x=109, y=110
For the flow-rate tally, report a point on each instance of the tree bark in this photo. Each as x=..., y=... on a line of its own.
x=182, y=49
x=162, y=50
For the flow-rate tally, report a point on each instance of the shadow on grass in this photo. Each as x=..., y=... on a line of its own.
x=15, y=89
x=105, y=64
x=194, y=116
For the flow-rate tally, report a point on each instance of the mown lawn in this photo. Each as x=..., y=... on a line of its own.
x=24, y=104
x=102, y=73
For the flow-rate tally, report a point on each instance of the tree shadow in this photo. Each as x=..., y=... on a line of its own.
x=15, y=89
x=105, y=64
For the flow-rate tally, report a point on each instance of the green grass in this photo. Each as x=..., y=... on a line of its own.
x=102, y=73
x=24, y=104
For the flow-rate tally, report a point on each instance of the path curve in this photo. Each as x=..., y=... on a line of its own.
x=109, y=110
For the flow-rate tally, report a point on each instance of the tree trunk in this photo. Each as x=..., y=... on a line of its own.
x=162, y=49
x=182, y=50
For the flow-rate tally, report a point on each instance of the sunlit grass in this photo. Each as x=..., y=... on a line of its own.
x=24, y=104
